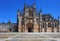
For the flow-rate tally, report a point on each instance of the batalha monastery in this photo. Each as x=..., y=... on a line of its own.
x=31, y=21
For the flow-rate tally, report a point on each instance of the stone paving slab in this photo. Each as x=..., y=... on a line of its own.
x=3, y=36
x=29, y=36
x=53, y=35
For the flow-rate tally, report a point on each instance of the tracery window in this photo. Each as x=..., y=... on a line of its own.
x=49, y=24
x=43, y=25
x=55, y=24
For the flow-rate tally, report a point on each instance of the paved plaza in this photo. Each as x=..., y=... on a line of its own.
x=30, y=36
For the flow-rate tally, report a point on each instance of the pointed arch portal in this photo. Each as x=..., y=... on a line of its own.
x=29, y=26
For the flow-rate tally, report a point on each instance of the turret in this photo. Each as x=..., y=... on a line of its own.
x=40, y=15
x=18, y=12
x=52, y=24
x=34, y=5
x=34, y=12
x=9, y=21
x=58, y=28
x=34, y=15
x=45, y=28
x=40, y=21
x=18, y=17
x=24, y=7
x=9, y=24
x=19, y=20
x=3, y=22
x=59, y=20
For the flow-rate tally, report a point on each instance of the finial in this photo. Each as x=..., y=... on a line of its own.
x=40, y=10
x=9, y=21
x=3, y=22
x=25, y=3
x=59, y=17
x=18, y=10
x=34, y=3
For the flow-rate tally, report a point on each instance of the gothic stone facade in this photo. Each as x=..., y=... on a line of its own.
x=31, y=21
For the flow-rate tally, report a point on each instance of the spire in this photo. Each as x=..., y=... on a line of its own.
x=52, y=24
x=40, y=12
x=3, y=22
x=9, y=21
x=59, y=19
x=34, y=3
x=17, y=21
x=25, y=4
x=40, y=20
x=18, y=11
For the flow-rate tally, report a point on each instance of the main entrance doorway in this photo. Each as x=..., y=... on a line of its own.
x=29, y=27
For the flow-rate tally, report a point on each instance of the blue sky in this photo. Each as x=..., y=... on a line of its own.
x=8, y=8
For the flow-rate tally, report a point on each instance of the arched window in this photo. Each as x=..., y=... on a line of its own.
x=49, y=24
x=55, y=24
x=43, y=25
